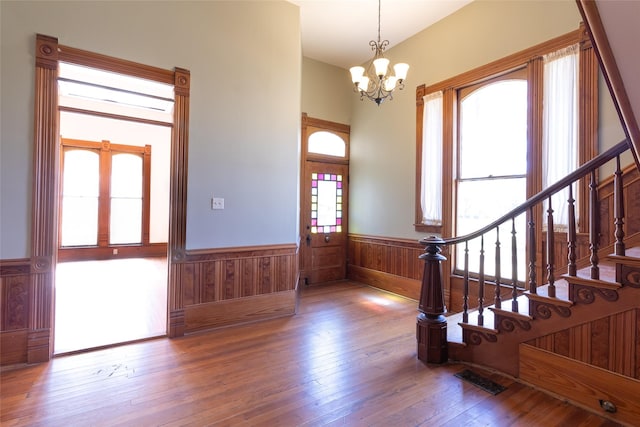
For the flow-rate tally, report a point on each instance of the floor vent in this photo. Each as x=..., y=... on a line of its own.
x=480, y=381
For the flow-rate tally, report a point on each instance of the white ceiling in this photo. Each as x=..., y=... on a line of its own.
x=338, y=31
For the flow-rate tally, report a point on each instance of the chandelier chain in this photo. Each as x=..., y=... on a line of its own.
x=379, y=9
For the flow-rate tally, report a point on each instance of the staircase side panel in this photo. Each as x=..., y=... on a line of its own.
x=610, y=343
x=582, y=384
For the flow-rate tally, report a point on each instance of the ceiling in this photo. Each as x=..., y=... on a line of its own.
x=338, y=31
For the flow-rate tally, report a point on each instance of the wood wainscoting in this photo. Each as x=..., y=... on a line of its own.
x=15, y=303
x=222, y=287
x=386, y=263
x=217, y=287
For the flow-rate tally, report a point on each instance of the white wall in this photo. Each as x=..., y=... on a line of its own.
x=326, y=91
x=383, y=146
x=245, y=63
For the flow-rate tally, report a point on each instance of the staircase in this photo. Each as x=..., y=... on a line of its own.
x=577, y=335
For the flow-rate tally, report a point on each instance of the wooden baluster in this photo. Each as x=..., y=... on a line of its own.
x=497, y=302
x=571, y=235
x=532, y=253
x=465, y=296
x=619, y=209
x=481, y=284
x=550, y=252
x=593, y=226
x=514, y=267
x=431, y=325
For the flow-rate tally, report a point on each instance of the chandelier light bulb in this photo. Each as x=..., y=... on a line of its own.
x=390, y=83
x=381, y=64
x=356, y=74
x=401, y=70
x=363, y=84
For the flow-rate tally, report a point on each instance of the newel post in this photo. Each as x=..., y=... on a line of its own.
x=431, y=328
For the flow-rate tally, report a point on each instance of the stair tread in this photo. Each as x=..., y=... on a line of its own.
x=607, y=272
x=631, y=257
x=607, y=275
x=562, y=290
x=455, y=324
x=633, y=253
x=596, y=283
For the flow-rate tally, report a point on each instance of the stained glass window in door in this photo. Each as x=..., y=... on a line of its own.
x=326, y=203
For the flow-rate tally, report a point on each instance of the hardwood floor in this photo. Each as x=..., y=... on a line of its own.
x=107, y=302
x=347, y=358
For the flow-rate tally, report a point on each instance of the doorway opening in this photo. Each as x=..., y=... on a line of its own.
x=115, y=147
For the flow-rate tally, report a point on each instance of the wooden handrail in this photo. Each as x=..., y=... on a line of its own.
x=431, y=323
x=581, y=172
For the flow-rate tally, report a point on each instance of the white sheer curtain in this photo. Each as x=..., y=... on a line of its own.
x=431, y=198
x=560, y=122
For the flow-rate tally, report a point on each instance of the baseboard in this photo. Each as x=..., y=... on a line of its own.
x=409, y=288
x=582, y=384
x=238, y=311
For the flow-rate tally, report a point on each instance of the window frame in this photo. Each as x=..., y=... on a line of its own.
x=531, y=60
x=106, y=150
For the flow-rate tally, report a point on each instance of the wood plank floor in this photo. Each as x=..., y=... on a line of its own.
x=347, y=358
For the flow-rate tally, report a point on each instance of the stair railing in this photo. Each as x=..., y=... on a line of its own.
x=431, y=322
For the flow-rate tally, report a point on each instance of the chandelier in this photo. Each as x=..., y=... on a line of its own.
x=374, y=82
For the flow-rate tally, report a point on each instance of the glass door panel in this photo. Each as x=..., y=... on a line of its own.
x=125, y=222
x=326, y=203
x=80, y=194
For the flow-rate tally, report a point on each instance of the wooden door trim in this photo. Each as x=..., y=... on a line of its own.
x=309, y=126
x=44, y=229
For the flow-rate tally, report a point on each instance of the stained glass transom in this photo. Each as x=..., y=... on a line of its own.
x=326, y=203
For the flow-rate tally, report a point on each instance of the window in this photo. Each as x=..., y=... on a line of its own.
x=80, y=195
x=430, y=198
x=492, y=152
x=327, y=143
x=509, y=128
x=105, y=194
x=126, y=195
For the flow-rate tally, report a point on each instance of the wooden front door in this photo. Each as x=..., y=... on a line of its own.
x=324, y=198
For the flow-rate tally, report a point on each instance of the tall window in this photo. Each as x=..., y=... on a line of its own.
x=504, y=136
x=80, y=194
x=492, y=151
x=126, y=194
x=431, y=196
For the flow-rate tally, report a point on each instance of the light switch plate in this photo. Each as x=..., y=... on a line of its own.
x=217, y=203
